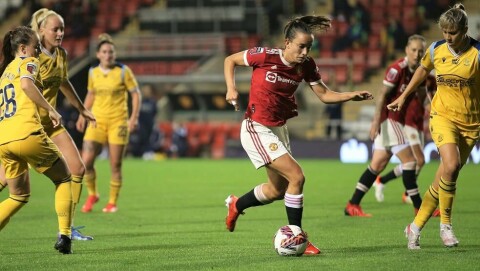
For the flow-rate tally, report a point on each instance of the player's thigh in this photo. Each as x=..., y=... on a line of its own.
x=287, y=167
x=405, y=154
x=19, y=185
x=117, y=131
x=70, y=152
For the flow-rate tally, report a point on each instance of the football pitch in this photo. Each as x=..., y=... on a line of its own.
x=171, y=217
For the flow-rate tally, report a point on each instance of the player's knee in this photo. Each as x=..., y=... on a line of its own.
x=297, y=180
x=451, y=168
x=23, y=198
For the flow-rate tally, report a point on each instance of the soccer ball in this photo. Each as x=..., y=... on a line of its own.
x=290, y=240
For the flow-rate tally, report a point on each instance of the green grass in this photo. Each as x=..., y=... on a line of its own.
x=171, y=217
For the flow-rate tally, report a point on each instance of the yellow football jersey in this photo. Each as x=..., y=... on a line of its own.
x=111, y=90
x=458, y=82
x=18, y=114
x=53, y=71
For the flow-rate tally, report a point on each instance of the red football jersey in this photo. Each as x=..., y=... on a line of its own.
x=274, y=82
x=397, y=76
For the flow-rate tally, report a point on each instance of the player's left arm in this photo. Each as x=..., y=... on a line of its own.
x=136, y=104
x=329, y=96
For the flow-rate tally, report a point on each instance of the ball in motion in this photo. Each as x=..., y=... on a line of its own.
x=290, y=240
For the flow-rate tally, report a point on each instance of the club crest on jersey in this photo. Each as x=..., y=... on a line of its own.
x=31, y=68
x=273, y=146
x=466, y=62
x=255, y=50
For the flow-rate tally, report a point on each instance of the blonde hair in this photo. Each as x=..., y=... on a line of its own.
x=104, y=38
x=40, y=17
x=454, y=18
x=416, y=37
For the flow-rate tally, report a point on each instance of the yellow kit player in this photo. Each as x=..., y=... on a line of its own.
x=109, y=84
x=26, y=141
x=454, y=116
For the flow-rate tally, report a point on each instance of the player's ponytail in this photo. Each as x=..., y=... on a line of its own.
x=104, y=38
x=306, y=24
x=11, y=42
x=454, y=18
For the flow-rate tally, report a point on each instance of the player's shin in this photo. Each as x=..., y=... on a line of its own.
x=63, y=207
x=10, y=206
x=446, y=193
x=429, y=204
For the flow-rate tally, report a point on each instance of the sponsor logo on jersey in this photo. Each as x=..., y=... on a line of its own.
x=455, y=61
x=274, y=77
x=452, y=80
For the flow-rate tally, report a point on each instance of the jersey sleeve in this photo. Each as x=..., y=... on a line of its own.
x=312, y=72
x=90, y=80
x=427, y=59
x=130, y=81
x=254, y=56
x=392, y=76
x=29, y=68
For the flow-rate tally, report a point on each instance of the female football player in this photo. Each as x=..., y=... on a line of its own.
x=264, y=135
x=108, y=86
x=454, y=116
x=26, y=141
x=53, y=72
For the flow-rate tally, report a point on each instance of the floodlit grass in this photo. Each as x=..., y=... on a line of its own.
x=171, y=217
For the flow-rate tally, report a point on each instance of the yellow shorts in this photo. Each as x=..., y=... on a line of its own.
x=445, y=131
x=113, y=131
x=38, y=150
x=53, y=131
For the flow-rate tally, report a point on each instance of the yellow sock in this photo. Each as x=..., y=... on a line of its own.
x=115, y=186
x=63, y=207
x=446, y=193
x=91, y=183
x=10, y=206
x=76, y=192
x=429, y=204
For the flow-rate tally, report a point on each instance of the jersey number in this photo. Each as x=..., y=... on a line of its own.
x=8, y=105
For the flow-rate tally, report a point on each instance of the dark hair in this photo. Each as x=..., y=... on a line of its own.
x=306, y=24
x=455, y=17
x=104, y=38
x=11, y=42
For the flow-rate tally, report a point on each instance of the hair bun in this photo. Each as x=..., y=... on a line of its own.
x=104, y=37
x=459, y=6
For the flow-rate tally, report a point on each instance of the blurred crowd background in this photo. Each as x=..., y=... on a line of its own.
x=176, y=50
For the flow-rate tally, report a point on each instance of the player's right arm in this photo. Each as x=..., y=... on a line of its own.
x=418, y=77
x=34, y=94
x=379, y=105
x=230, y=63
x=88, y=105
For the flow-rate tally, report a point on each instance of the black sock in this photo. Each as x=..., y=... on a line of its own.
x=363, y=185
x=410, y=183
x=294, y=216
x=247, y=200
x=388, y=177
